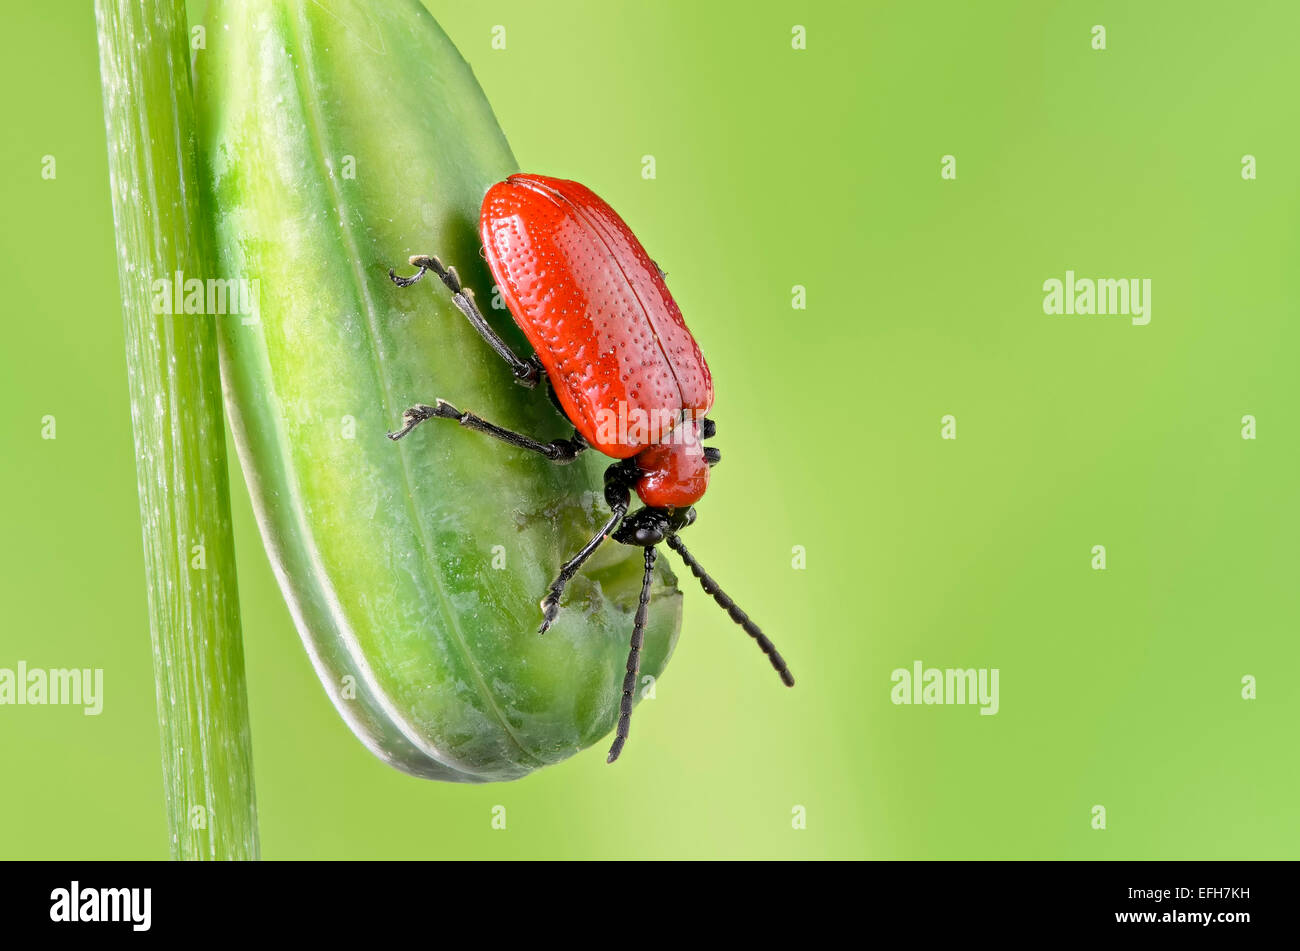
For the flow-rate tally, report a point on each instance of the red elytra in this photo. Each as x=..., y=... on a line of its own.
x=611, y=344
x=603, y=325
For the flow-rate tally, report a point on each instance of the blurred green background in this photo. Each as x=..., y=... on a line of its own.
x=778, y=167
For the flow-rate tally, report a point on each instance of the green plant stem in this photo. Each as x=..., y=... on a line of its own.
x=176, y=412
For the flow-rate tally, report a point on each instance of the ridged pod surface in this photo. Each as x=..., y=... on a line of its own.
x=337, y=138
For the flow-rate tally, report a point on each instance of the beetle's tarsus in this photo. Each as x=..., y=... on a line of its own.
x=406, y=281
x=419, y=413
x=425, y=262
x=550, y=611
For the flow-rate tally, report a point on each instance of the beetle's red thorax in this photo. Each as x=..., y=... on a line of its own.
x=596, y=311
x=675, y=473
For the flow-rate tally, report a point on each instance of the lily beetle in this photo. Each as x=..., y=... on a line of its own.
x=619, y=362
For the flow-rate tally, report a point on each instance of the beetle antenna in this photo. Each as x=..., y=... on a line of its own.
x=740, y=617
x=633, y=658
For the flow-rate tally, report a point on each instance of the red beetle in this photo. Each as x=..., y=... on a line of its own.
x=621, y=365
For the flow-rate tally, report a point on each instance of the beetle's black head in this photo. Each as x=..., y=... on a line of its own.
x=649, y=526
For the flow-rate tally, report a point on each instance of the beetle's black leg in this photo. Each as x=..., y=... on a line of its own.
x=527, y=372
x=633, y=658
x=740, y=617
x=619, y=479
x=557, y=450
x=709, y=429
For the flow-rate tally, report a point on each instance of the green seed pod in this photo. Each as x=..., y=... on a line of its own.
x=336, y=140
